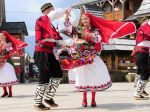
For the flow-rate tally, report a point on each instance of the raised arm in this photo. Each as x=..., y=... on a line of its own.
x=58, y=13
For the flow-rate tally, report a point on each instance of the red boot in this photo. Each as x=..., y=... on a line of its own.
x=10, y=91
x=84, y=102
x=5, y=92
x=93, y=102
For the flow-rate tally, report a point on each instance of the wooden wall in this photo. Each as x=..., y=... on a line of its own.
x=120, y=9
x=118, y=61
x=18, y=60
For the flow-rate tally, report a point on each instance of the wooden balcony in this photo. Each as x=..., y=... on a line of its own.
x=108, y=15
x=117, y=15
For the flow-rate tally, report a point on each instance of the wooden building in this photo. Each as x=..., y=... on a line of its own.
x=142, y=13
x=117, y=54
x=113, y=9
x=18, y=30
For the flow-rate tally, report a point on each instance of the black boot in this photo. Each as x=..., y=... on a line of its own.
x=51, y=90
x=139, y=90
x=38, y=105
x=51, y=102
x=145, y=93
x=41, y=107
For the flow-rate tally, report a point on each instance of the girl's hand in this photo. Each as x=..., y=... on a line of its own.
x=3, y=46
x=80, y=41
x=1, y=64
x=87, y=34
x=75, y=37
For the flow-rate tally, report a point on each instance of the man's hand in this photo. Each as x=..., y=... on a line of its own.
x=68, y=11
x=62, y=43
x=48, y=40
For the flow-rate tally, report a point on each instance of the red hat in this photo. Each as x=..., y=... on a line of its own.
x=111, y=29
x=17, y=44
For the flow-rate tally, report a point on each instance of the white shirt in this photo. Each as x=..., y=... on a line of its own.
x=56, y=14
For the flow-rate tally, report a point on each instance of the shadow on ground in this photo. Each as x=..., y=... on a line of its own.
x=110, y=106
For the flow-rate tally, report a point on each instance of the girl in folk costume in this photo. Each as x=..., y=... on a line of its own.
x=141, y=52
x=94, y=75
x=8, y=46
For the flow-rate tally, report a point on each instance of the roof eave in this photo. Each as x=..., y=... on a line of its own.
x=77, y=5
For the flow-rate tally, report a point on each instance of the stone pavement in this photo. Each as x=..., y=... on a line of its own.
x=119, y=98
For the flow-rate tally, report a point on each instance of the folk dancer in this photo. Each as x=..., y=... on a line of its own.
x=141, y=53
x=49, y=68
x=94, y=76
x=8, y=46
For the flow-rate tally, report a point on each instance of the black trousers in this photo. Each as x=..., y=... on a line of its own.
x=48, y=66
x=142, y=62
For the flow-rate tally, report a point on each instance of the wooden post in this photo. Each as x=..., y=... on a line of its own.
x=22, y=77
x=123, y=10
x=2, y=11
x=19, y=60
x=116, y=62
x=109, y=62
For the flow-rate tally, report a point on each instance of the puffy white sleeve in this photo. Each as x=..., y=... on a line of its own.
x=68, y=26
x=56, y=14
x=144, y=43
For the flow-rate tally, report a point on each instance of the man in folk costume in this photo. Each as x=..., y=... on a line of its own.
x=49, y=68
x=141, y=52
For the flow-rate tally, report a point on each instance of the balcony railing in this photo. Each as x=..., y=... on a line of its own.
x=117, y=15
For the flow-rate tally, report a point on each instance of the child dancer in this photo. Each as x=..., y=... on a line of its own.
x=8, y=46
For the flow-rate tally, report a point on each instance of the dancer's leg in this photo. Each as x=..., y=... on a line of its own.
x=93, y=102
x=51, y=90
x=10, y=91
x=84, y=102
x=5, y=92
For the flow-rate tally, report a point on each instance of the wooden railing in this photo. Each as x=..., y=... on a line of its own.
x=117, y=15
x=108, y=15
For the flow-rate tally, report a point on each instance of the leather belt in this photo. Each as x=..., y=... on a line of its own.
x=44, y=46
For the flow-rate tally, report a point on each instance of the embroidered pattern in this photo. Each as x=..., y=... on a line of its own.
x=94, y=88
x=39, y=93
x=52, y=87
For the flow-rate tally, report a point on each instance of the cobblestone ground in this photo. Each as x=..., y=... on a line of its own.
x=119, y=98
